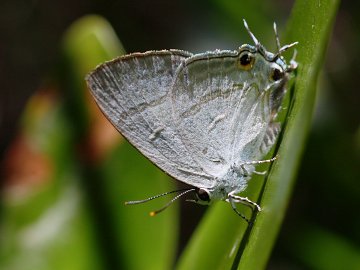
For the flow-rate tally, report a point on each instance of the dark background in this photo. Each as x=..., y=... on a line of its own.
x=327, y=193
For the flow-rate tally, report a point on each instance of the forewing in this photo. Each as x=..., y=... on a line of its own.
x=133, y=93
x=219, y=111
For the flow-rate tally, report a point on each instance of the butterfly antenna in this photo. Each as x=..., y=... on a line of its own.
x=277, y=39
x=153, y=213
x=257, y=43
x=155, y=197
x=283, y=49
x=279, y=48
x=288, y=46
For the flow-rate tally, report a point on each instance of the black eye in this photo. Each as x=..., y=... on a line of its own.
x=246, y=60
x=203, y=195
x=277, y=74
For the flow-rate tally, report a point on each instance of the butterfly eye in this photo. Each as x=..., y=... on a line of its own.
x=246, y=60
x=203, y=195
x=277, y=74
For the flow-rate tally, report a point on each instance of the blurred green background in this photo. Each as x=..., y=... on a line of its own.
x=65, y=172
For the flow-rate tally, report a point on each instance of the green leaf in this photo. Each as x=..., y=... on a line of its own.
x=141, y=241
x=88, y=42
x=318, y=248
x=130, y=238
x=44, y=216
x=223, y=240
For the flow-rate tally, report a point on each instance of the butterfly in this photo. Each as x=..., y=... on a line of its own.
x=205, y=119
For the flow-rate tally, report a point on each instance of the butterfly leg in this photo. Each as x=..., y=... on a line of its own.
x=293, y=63
x=260, y=173
x=255, y=162
x=244, y=200
x=245, y=173
x=233, y=206
x=240, y=170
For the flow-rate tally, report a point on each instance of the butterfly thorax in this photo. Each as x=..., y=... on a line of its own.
x=232, y=182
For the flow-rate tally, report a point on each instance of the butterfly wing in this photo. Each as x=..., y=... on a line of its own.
x=219, y=111
x=133, y=93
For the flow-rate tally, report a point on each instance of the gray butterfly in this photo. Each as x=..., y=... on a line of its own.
x=205, y=119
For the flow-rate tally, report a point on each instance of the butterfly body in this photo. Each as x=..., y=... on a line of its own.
x=205, y=119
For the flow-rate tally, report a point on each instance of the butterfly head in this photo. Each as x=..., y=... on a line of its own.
x=279, y=65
